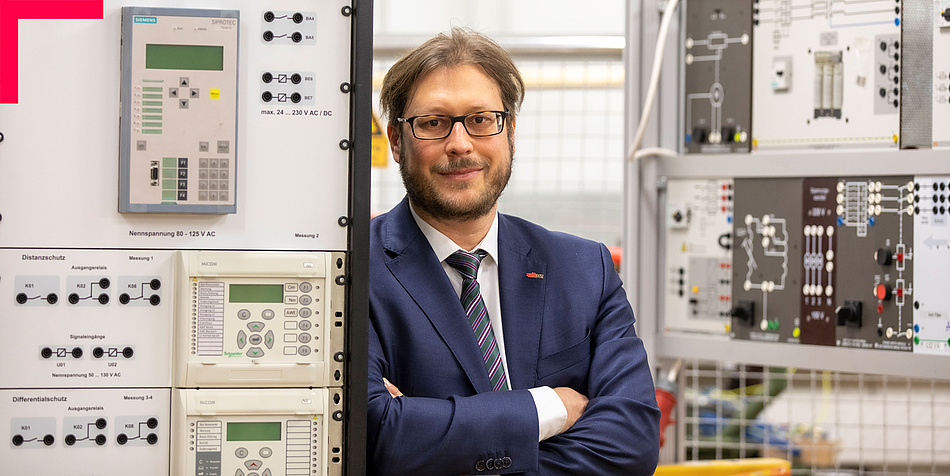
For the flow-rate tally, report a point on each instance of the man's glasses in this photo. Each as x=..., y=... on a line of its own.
x=477, y=124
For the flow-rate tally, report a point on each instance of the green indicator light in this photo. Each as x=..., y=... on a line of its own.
x=151, y=124
x=152, y=89
x=152, y=110
x=151, y=118
x=151, y=96
x=916, y=340
x=152, y=131
x=169, y=161
x=152, y=103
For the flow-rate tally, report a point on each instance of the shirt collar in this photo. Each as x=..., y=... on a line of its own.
x=444, y=246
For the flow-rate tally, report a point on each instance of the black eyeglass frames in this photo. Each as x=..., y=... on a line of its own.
x=436, y=126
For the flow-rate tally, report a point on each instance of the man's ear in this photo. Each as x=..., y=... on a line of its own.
x=394, y=140
x=511, y=134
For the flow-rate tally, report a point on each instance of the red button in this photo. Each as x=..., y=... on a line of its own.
x=882, y=291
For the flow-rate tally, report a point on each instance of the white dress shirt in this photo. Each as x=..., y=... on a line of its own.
x=552, y=414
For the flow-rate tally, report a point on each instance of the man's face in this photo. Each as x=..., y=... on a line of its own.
x=459, y=177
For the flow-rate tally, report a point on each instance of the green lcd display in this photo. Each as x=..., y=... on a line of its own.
x=256, y=293
x=185, y=57
x=254, y=431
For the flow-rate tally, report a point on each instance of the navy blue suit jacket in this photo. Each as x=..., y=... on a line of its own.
x=570, y=325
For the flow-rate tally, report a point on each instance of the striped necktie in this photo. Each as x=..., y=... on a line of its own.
x=467, y=265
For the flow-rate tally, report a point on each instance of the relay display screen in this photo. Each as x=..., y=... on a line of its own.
x=184, y=57
x=254, y=431
x=263, y=293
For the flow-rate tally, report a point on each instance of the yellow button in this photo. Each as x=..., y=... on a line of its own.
x=695, y=289
x=215, y=93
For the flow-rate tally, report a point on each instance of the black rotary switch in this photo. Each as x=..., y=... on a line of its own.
x=849, y=314
x=744, y=312
x=883, y=256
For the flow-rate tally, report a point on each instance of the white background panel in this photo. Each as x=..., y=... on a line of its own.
x=59, y=168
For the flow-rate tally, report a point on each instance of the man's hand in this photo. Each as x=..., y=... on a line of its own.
x=574, y=402
x=395, y=391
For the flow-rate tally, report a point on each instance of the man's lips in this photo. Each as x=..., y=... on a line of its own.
x=461, y=174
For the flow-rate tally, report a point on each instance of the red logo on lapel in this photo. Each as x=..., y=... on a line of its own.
x=534, y=275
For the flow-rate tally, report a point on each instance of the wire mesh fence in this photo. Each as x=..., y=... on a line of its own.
x=825, y=423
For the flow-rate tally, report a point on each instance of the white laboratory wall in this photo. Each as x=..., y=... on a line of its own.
x=500, y=17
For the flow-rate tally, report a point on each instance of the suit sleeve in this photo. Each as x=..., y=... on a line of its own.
x=618, y=433
x=452, y=436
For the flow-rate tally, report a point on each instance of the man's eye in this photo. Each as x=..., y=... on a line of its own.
x=431, y=122
x=479, y=119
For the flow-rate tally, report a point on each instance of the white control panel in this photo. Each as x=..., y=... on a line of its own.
x=833, y=71
x=941, y=72
x=698, y=255
x=87, y=318
x=931, y=262
x=244, y=432
x=179, y=110
x=79, y=432
x=259, y=319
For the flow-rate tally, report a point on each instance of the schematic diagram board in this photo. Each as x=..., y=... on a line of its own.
x=766, y=274
x=826, y=74
x=86, y=431
x=718, y=80
x=87, y=318
x=876, y=240
x=819, y=263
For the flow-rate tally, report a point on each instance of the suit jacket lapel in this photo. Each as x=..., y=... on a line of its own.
x=415, y=266
x=522, y=303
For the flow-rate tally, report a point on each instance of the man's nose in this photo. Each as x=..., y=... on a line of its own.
x=459, y=141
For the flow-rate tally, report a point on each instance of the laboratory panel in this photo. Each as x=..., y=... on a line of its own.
x=819, y=263
x=698, y=258
x=941, y=74
x=875, y=289
x=766, y=274
x=274, y=432
x=931, y=265
x=102, y=432
x=718, y=76
x=186, y=154
x=87, y=318
x=259, y=319
x=833, y=71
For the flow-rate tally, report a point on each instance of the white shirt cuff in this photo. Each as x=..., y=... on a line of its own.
x=552, y=414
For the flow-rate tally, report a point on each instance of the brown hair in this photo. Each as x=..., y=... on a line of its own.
x=463, y=47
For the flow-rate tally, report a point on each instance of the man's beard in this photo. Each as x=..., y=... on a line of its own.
x=440, y=205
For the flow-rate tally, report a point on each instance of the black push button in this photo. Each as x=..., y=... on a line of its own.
x=480, y=466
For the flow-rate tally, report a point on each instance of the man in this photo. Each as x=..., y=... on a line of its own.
x=553, y=380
